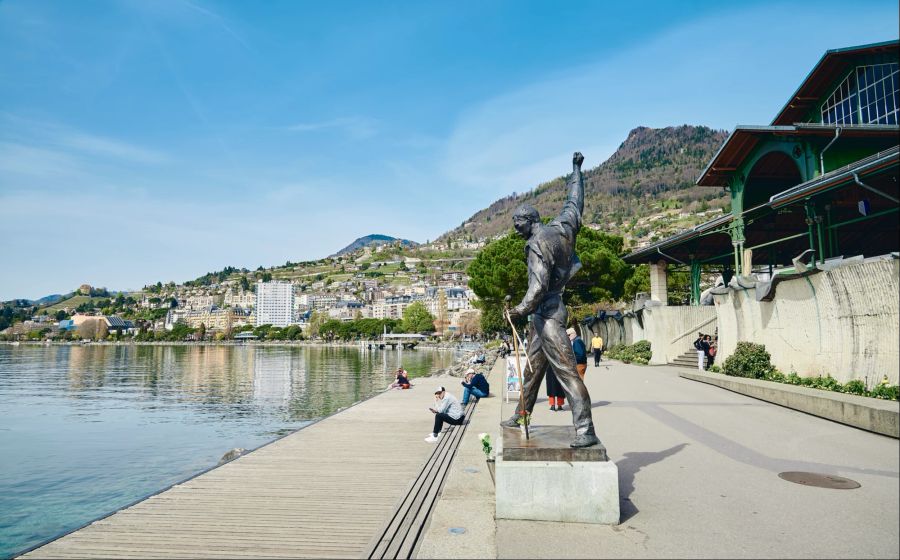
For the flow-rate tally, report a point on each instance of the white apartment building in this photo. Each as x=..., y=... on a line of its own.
x=318, y=301
x=243, y=299
x=458, y=299
x=392, y=307
x=274, y=303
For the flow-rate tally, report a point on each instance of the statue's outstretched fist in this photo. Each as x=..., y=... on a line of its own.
x=577, y=159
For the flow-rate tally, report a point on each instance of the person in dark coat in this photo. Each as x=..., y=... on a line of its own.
x=555, y=393
x=475, y=385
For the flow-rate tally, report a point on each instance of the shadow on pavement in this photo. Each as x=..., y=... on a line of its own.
x=629, y=466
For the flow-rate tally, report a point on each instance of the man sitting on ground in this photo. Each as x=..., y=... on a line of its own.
x=475, y=385
x=446, y=409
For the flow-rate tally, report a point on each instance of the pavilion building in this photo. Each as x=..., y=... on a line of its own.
x=808, y=253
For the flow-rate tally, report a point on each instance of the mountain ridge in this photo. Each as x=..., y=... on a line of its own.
x=372, y=240
x=653, y=171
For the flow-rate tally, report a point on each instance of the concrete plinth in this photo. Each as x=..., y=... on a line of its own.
x=583, y=487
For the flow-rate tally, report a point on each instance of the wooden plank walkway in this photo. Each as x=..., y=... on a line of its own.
x=323, y=492
x=402, y=534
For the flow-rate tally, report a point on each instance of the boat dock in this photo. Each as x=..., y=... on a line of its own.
x=337, y=488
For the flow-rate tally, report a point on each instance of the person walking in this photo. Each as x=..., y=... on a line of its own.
x=597, y=348
x=580, y=352
x=446, y=409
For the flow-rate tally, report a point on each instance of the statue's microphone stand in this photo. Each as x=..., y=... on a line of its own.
x=516, y=343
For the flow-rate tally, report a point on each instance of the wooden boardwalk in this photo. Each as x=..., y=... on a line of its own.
x=323, y=492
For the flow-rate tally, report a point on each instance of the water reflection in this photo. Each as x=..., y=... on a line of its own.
x=87, y=429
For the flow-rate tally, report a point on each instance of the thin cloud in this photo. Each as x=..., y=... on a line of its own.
x=223, y=23
x=112, y=148
x=358, y=128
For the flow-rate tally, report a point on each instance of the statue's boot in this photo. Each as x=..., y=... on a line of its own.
x=586, y=439
x=513, y=422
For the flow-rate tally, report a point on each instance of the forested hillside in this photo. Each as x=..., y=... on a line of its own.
x=643, y=192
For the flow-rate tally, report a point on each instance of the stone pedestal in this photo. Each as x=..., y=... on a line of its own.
x=543, y=479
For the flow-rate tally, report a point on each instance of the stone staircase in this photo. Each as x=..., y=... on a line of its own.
x=688, y=359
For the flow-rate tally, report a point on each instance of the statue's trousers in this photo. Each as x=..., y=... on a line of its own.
x=549, y=346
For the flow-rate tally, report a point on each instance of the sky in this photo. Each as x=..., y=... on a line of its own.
x=145, y=141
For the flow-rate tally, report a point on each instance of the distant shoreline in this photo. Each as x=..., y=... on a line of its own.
x=293, y=343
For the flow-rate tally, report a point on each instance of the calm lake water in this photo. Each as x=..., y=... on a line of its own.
x=85, y=430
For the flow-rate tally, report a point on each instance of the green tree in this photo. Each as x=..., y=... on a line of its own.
x=201, y=332
x=245, y=284
x=416, y=318
x=498, y=270
x=603, y=272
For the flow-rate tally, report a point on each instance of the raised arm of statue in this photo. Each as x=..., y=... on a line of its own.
x=538, y=280
x=574, y=205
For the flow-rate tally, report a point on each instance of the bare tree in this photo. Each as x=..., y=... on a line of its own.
x=88, y=329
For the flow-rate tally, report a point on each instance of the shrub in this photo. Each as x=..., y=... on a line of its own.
x=638, y=353
x=829, y=383
x=887, y=392
x=749, y=360
x=855, y=387
x=793, y=379
x=776, y=376
x=714, y=369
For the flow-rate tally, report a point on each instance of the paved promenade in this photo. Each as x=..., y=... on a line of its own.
x=698, y=477
x=322, y=492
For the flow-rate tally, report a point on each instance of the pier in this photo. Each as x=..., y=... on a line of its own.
x=361, y=482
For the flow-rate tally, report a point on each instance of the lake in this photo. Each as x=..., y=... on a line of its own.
x=86, y=430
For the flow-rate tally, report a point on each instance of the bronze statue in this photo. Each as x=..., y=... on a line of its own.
x=550, y=253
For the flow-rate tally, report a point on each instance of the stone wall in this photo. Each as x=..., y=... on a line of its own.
x=670, y=329
x=842, y=322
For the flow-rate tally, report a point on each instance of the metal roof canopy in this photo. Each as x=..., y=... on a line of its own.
x=741, y=142
x=829, y=68
x=709, y=242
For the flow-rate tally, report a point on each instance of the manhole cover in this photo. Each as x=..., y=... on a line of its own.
x=820, y=480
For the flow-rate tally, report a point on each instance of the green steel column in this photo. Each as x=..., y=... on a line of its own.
x=821, y=242
x=810, y=220
x=737, y=223
x=829, y=232
x=695, y=282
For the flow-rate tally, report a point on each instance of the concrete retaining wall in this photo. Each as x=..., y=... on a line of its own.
x=870, y=414
x=843, y=322
x=670, y=329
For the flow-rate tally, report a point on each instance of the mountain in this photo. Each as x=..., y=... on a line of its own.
x=373, y=240
x=49, y=299
x=643, y=192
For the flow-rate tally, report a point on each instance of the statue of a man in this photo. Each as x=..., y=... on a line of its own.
x=550, y=253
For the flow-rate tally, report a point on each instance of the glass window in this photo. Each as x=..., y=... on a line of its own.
x=868, y=96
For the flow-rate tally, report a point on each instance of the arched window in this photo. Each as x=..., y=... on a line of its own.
x=869, y=95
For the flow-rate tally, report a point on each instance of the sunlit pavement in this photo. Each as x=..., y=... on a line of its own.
x=698, y=477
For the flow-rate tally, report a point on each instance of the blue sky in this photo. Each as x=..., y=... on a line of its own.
x=145, y=141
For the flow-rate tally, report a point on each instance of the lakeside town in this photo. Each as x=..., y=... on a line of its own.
x=397, y=287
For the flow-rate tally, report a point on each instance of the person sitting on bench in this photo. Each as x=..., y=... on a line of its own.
x=475, y=385
x=446, y=409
